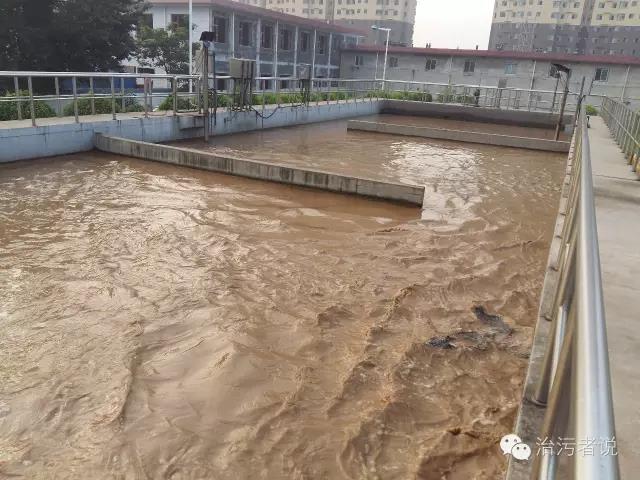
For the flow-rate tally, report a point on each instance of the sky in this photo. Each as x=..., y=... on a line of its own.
x=453, y=23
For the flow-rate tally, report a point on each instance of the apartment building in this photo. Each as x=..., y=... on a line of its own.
x=398, y=15
x=613, y=76
x=279, y=42
x=586, y=27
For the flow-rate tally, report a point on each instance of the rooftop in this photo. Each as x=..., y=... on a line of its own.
x=266, y=13
x=552, y=57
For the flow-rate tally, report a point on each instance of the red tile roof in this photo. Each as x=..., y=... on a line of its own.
x=549, y=57
x=266, y=13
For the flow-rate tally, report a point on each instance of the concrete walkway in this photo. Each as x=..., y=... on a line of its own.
x=618, y=217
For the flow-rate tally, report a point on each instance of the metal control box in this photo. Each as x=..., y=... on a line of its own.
x=304, y=72
x=242, y=68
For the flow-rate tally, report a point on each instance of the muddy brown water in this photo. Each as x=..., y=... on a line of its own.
x=163, y=322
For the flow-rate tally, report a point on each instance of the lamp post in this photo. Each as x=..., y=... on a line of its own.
x=386, y=50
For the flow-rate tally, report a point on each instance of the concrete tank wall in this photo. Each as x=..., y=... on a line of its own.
x=58, y=138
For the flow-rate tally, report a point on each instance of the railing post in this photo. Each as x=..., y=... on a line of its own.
x=75, y=98
x=174, y=91
x=58, y=101
x=31, y=105
x=113, y=98
x=123, y=104
x=93, y=99
x=16, y=86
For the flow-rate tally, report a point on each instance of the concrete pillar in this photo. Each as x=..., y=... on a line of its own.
x=295, y=52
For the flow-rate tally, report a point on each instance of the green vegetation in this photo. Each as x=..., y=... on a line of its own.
x=103, y=105
x=591, y=110
x=9, y=108
x=183, y=103
x=69, y=35
x=164, y=48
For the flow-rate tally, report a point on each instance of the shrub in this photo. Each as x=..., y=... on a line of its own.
x=9, y=109
x=591, y=110
x=103, y=105
x=183, y=104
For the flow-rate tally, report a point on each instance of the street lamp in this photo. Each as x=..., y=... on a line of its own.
x=386, y=50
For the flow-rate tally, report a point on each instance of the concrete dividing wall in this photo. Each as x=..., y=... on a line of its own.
x=411, y=194
x=522, y=118
x=460, y=136
x=59, y=136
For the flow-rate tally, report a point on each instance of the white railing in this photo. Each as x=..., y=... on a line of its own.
x=575, y=383
x=32, y=95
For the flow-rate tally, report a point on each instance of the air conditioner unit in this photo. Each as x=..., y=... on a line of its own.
x=304, y=72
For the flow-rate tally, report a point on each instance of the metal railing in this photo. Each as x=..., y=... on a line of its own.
x=624, y=125
x=75, y=94
x=575, y=382
x=33, y=95
x=487, y=96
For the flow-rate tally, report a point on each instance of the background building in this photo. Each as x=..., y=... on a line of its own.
x=614, y=76
x=586, y=27
x=399, y=15
x=278, y=42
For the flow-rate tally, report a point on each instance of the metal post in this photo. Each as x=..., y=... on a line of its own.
x=258, y=45
x=384, y=68
x=113, y=98
x=74, y=87
x=174, y=92
x=232, y=34
x=275, y=54
x=562, y=106
x=56, y=81
x=123, y=104
x=313, y=56
x=329, y=55
x=295, y=52
x=93, y=102
x=16, y=86
x=205, y=89
x=146, y=104
x=31, y=105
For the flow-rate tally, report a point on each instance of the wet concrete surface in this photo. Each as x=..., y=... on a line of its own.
x=162, y=322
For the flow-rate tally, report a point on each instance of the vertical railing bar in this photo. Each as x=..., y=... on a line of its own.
x=31, y=104
x=56, y=81
x=113, y=98
x=16, y=86
x=74, y=87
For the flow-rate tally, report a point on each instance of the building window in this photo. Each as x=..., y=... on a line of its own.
x=359, y=60
x=510, y=68
x=392, y=62
x=469, y=66
x=602, y=74
x=322, y=44
x=244, y=34
x=431, y=64
x=220, y=29
x=179, y=19
x=267, y=36
x=285, y=39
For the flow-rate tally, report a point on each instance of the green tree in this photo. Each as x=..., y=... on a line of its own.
x=164, y=48
x=67, y=35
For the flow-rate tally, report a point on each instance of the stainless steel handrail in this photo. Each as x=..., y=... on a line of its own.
x=624, y=125
x=575, y=382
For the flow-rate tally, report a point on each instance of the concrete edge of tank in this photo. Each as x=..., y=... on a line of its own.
x=256, y=169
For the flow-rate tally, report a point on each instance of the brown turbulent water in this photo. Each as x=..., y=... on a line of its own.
x=161, y=322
